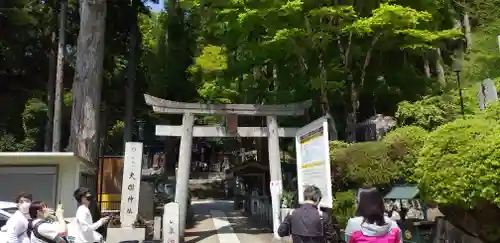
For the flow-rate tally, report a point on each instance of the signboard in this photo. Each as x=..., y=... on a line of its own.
x=313, y=160
x=487, y=93
x=171, y=223
x=131, y=183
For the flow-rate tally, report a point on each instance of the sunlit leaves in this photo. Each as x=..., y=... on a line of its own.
x=344, y=12
x=389, y=17
x=212, y=59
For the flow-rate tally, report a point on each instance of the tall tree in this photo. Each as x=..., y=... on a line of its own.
x=58, y=97
x=88, y=79
x=51, y=79
x=131, y=73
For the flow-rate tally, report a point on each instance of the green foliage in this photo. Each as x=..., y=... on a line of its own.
x=432, y=111
x=365, y=164
x=459, y=163
x=33, y=117
x=288, y=198
x=429, y=112
x=405, y=144
x=8, y=143
x=344, y=206
x=492, y=111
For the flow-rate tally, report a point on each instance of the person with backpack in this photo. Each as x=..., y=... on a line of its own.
x=371, y=225
x=308, y=224
x=17, y=225
x=41, y=229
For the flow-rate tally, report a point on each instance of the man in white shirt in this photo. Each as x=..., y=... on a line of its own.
x=17, y=225
x=85, y=227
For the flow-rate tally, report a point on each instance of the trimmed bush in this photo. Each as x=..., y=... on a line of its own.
x=404, y=145
x=460, y=163
x=459, y=168
x=364, y=164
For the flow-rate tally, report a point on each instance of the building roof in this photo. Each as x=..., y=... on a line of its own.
x=44, y=158
x=403, y=192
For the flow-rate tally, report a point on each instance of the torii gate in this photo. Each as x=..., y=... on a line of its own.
x=187, y=131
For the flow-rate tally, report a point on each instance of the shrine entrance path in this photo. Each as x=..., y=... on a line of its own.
x=218, y=222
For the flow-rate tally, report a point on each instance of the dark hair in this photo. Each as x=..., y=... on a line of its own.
x=35, y=207
x=312, y=193
x=80, y=193
x=371, y=207
x=24, y=195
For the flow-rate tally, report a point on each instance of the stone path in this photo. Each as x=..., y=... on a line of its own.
x=218, y=222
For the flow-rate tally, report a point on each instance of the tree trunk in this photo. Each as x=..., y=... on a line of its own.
x=427, y=67
x=325, y=104
x=440, y=67
x=51, y=83
x=58, y=98
x=131, y=76
x=88, y=80
x=351, y=121
x=354, y=94
x=468, y=33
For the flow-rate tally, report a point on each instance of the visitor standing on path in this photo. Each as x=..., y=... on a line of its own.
x=85, y=230
x=371, y=225
x=308, y=224
x=17, y=225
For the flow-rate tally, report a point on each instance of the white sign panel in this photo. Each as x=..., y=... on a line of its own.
x=487, y=93
x=131, y=183
x=313, y=160
x=171, y=223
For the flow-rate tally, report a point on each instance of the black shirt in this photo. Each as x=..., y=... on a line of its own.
x=307, y=225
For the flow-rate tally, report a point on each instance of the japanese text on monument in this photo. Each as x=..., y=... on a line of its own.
x=131, y=183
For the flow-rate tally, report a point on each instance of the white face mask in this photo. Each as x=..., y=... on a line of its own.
x=24, y=207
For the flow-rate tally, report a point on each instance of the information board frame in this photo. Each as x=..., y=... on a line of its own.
x=315, y=134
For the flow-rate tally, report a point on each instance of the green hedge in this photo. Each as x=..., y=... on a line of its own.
x=364, y=164
x=404, y=145
x=460, y=163
x=379, y=162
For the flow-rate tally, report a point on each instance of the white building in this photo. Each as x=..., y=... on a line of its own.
x=50, y=177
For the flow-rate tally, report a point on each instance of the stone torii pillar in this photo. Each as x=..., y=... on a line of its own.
x=187, y=131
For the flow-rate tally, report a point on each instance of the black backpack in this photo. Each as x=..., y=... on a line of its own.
x=33, y=228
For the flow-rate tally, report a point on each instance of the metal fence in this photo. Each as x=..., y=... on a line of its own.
x=110, y=206
x=260, y=208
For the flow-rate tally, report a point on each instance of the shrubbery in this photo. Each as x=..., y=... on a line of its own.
x=379, y=162
x=344, y=206
x=460, y=163
x=404, y=146
x=457, y=165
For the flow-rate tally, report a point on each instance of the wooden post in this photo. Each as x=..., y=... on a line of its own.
x=274, y=170
x=182, y=177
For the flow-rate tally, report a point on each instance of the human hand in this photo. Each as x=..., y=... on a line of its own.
x=50, y=211
x=104, y=220
x=60, y=213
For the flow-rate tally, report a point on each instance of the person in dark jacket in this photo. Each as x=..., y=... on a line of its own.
x=308, y=224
